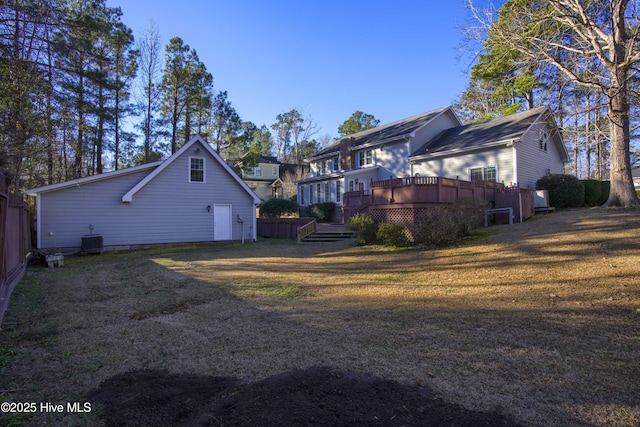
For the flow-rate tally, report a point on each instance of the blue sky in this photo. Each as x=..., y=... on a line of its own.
x=392, y=59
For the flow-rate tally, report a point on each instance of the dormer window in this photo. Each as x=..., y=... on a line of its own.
x=196, y=169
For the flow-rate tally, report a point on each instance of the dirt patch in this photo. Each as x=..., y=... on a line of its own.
x=316, y=396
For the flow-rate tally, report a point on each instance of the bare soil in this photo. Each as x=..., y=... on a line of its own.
x=537, y=324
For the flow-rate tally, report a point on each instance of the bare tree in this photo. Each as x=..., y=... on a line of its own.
x=595, y=44
x=150, y=66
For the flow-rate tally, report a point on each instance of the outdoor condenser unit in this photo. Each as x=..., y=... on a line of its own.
x=92, y=243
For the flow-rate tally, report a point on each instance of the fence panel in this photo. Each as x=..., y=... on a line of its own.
x=14, y=242
x=281, y=228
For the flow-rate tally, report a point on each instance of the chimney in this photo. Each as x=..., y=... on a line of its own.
x=347, y=157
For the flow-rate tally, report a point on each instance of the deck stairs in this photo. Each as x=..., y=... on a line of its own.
x=329, y=233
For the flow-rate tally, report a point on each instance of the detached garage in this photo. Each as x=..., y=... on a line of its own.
x=193, y=196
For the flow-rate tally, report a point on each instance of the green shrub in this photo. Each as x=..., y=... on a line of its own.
x=323, y=212
x=365, y=228
x=391, y=234
x=276, y=208
x=605, y=190
x=595, y=192
x=565, y=191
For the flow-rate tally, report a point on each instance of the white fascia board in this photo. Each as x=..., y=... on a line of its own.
x=93, y=178
x=128, y=197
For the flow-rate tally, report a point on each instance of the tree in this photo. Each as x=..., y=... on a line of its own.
x=124, y=71
x=150, y=64
x=226, y=122
x=358, y=122
x=293, y=135
x=594, y=44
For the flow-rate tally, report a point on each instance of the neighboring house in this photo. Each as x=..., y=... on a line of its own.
x=271, y=179
x=193, y=196
x=516, y=149
x=635, y=172
x=263, y=178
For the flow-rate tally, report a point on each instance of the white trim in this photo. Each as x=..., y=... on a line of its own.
x=93, y=178
x=204, y=169
x=515, y=165
x=128, y=197
x=483, y=170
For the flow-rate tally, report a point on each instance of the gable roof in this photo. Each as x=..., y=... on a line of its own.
x=93, y=178
x=500, y=131
x=404, y=128
x=128, y=197
x=155, y=169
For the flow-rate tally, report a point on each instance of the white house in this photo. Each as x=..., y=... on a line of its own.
x=517, y=149
x=193, y=196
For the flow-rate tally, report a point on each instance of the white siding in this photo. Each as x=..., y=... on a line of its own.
x=458, y=166
x=534, y=162
x=392, y=159
x=169, y=209
x=433, y=129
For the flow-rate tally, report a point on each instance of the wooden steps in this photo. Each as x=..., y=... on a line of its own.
x=329, y=233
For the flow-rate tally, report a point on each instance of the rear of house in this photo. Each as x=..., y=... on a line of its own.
x=191, y=197
x=516, y=150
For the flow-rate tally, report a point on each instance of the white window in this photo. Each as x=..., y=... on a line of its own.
x=196, y=169
x=365, y=158
x=336, y=164
x=486, y=173
x=326, y=192
x=544, y=137
x=311, y=194
x=257, y=171
x=338, y=192
x=318, y=191
x=274, y=170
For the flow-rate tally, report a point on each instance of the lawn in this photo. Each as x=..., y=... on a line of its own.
x=540, y=321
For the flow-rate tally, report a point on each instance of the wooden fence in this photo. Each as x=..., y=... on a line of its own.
x=14, y=241
x=281, y=228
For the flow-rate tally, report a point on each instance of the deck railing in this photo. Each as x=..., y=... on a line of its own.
x=421, y=192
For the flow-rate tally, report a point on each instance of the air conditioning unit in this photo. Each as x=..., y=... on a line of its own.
x=92, y=243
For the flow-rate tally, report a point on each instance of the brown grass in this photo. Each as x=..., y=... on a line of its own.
x=540, y=321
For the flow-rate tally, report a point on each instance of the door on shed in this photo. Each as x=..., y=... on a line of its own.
x=221, y=222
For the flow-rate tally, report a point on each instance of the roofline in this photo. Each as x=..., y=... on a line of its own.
x=442, y=110
x=128, y=197
x=361, y=170
x=320, y=178
x=92, y=178
x=506, y=142
x=547, y=115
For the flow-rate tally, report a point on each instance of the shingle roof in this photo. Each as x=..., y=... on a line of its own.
x=387, y=132
x=478, y=134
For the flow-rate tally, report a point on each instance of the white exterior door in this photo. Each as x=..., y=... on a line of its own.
x=221, y=222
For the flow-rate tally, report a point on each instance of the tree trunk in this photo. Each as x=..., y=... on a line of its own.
x=622, y=190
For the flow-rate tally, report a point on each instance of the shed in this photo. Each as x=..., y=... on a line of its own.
x=193, y=196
